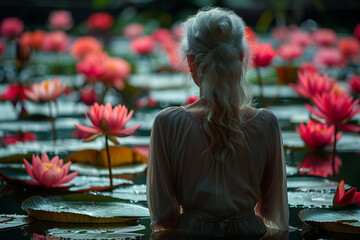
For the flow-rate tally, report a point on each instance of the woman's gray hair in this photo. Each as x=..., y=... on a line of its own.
x=215, y=39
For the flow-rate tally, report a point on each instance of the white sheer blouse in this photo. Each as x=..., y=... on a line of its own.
x=195, y=195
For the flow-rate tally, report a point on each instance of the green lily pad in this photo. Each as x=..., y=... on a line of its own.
x=11, y=220
x=344, y=221
x=308, y=183
x=135, y=193
x=83, y=208
x=53, y=230
x=310, y=199
x=78, y=184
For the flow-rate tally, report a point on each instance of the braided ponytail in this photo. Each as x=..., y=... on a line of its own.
x=215, y=38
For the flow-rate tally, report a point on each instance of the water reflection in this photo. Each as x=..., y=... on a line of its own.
x=319, y=163
x=269, y=235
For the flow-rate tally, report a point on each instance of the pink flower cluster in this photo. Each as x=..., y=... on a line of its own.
x=100, y=67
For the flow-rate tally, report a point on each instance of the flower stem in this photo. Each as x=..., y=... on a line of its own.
x=108, y=158
x=262, y=99
x=52, y=121
x=334, y=154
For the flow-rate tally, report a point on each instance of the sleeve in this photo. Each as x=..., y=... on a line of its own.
x=161, y=196
x=273, y=204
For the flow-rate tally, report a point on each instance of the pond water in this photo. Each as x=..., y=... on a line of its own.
x=304, y=191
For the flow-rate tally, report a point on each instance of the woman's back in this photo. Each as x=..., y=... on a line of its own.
x=210, y=192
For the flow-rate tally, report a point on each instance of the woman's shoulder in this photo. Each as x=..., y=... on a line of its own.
x=169, y=113
x=262, y=114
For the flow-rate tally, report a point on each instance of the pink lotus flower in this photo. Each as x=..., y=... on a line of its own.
x=324, y=37
x=349, y=199
x=46, y=91
x=116, y=71
x=11, y=27
x=133, y=30
x=307, y=66
x=336, y=109
x=263, y=53
x=319, y=163
x=142, y=45
x=290, y=51
x=354, y=84
x=311, y=83
x=49, y=173
x=19, y=137
x=60, y=20
x=92, y=66
x=32, y=39
x=328, y=57
x=56, y=41
x=2, y=48
x=282, y=33
x=108, y=121
x=317, y=135
x=357, y=31
x=88, y=95
x=300, y=38
x=100, y=21
x=85, y=45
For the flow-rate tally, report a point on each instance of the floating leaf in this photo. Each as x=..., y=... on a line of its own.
x=309, y=183
x=79, y=184
x=136, y=193
x=11, y=221
x=17, y=158
x=83, y=208
x=310, y=199
x=97, y=232
x=128, y=171
x=119, y=155
x=343, y=221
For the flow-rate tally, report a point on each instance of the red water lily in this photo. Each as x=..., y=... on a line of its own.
x=317, y=135
x=61, y=20
x=319, y=163
x=85, y=45
x=354, y=84
x=56, y=41
x=311, y=83
x=328, y=57
x=133, y=30
x=324, y=36
x=109, y=121
x=49, y=173
x=32, y=39
x=142, y=45
x=11, y=27
x=19, y=137
x=263, y=54
x=351, y=198
x=88, y=95
x=14, y=93
x=336, y=109
x=290, y=51
x=100, y=21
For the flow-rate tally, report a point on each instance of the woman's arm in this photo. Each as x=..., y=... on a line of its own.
x=161, y=196
x=273, y=204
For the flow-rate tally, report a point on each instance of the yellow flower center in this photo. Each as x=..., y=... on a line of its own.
x=49, y=165
x=46, y=85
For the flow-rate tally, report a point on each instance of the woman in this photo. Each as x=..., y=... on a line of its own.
x=216, y=167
